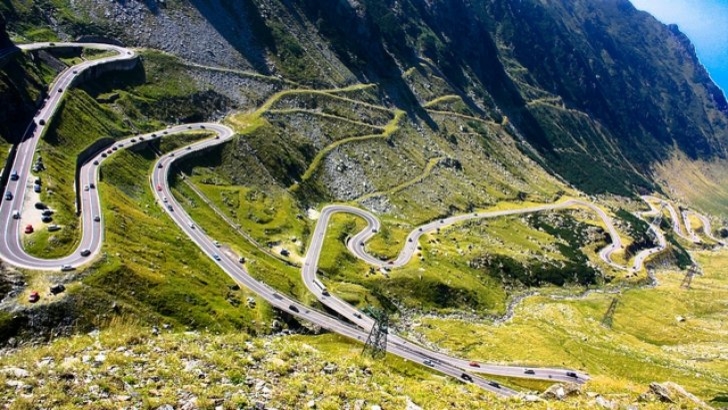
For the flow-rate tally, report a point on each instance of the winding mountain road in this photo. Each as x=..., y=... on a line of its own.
x=12, y=252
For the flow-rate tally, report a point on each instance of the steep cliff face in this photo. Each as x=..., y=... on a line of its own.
x=601, y=90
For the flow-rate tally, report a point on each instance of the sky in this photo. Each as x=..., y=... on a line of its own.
x=706, y=24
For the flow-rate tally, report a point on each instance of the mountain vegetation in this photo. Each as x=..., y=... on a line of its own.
x=413, y=109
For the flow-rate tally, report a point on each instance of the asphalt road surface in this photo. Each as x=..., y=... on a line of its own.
x=11, y=250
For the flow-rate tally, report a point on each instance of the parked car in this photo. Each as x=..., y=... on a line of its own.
x=28, y=228
x=47, y=212
x=34, y=297
x=53, y=228
x=40, y=205
x=36, y=188
x=46, y=218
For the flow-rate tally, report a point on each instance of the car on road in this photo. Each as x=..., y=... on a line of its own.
x=85, y=188
x=216, y=243
x=241, y=259
x=473, y=364
x=33, y=297
x=41, y=121
x=216, y=256
x=86, y=252
x=189, y=148
x=466, y=377
x=114, y=148
x=66, y=268
x=109, y=151
x=164, y=199
x=28, y=228
x=154, y=135
x=133, y=140
x=60, y=90
x=8, y=196
x=572, y=374
x=97, y=218
x=92, y=186
x=169, y=208
x=494, y=384
x=357, y=315
x=428, y=362
x=159, y=188
x=192, y=226
x=103, y=155
x=293, y=308
x=14, y=176
x=529, y=371
x=16, y=214
x=159, y=165
x=171, y=155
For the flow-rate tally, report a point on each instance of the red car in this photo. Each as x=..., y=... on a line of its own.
x=473, y=364
x=34, y=297
x=159, y=187
x=29, y=229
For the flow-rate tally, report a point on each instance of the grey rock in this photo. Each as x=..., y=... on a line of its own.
x=607, y=404
x=15, y=372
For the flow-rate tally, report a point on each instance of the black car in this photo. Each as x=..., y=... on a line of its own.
x=85, y=252
x=96, y=162
x=529, y=371
x=466, y=377
x=572, y=374
x=46, y=218
x=293, y=308
x=494, y=384
x=40, y=205
x=47, y=212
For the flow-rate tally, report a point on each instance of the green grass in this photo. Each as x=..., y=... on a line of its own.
x=78, y=123
x=646, y=342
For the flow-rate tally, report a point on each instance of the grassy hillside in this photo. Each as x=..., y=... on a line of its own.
x=665, y=333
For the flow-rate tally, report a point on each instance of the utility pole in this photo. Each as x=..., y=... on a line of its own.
x=688, y=279
x=376, y=345
x=609, y=316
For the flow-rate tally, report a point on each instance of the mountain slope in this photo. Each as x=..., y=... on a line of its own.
x=601, y=90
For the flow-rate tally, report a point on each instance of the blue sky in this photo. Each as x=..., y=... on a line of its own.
x=705, y=22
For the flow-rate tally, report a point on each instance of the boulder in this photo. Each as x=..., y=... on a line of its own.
x=670, y=392
x=559, y=391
